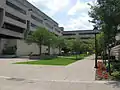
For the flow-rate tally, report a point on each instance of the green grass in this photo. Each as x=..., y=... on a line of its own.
x=62, y=61
x=55, y=61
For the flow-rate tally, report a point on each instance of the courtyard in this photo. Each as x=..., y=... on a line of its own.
x=79, y=75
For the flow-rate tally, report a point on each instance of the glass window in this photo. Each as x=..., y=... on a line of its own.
x=33, y=25
x=15, y=7
x=49, y=26
x=37, y=19
x=57, y=30
x=69, y=34
x=15, y=17
x=13, y=27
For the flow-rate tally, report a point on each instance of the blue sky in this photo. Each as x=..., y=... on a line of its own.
x=71, y=14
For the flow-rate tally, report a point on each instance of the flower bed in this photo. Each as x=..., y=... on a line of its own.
x=101, y=72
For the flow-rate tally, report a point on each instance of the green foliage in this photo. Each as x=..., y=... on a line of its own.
x=103, y=14
x=100, y=43
x=80, y=46
x=9, y=51
x=76, y=46
x=116, y=75
x=41, y=37
x=60, y=43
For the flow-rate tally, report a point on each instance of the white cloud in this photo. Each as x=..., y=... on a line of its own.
x=80, y=6
x=80, y=23
x=81, y=18
x=52, y=6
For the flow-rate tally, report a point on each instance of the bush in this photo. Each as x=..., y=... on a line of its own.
x=9, y=51
x=116, y=75
x=116, y=66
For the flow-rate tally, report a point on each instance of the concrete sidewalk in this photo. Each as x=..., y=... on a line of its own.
x=80, y=70
x=77, y=76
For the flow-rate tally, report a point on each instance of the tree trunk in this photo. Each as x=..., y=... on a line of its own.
x=105, y=55
x=102, y=56
x=59, y=51
x=49, y=49
x=76, y=56
x=40, y=48
x=109, y=68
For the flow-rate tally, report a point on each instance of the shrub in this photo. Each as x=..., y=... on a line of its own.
x=9, y=51
x=116, y=75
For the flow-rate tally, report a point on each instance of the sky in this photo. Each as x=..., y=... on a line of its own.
x=70, y=14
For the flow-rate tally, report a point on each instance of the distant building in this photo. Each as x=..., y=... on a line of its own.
x=17, y=16
x=82, y=34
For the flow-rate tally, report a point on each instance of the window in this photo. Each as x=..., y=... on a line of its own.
x=57, y=30
x=15, y=7
x=85, y=37
x=28, y=25
x=86, y=34
x=48, y=25
x=13, y=27
x=15, y=17
x=69, y=34
x=37, y=19
x=33, y=25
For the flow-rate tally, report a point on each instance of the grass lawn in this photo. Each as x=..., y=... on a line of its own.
x=65, y=60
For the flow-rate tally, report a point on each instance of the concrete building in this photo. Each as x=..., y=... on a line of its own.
x=82, y=34
x=17, y=16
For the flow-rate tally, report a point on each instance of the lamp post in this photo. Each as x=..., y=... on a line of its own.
x=95, y=29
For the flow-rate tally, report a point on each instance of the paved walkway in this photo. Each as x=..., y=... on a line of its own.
x=77, y=76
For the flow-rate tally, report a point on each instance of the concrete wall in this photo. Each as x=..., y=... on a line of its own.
x=2, y=3
x=2, y=43
x=25, y=49
x=26, y=6
x=11, y=33
x=1, y=16
x=54, y=51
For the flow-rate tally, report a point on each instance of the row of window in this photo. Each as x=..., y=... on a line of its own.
x=79, y=34
x=15, y=17
x=57, y=30
x=69, y=34
x=37, y=19
x=15, y=7
x=24, y=12
x=86, y=33
x=49, y=26
x=13, y=27
x=33, y=25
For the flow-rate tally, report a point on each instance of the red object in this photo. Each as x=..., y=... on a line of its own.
x=101, y=70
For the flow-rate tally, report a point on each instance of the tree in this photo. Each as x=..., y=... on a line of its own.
x=61, y=43
x=76, y=46
x=68, y=46
x=51, y=41
x=40, y=37
x=103, y=14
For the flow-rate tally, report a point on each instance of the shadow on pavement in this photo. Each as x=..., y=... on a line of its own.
x=115, y=84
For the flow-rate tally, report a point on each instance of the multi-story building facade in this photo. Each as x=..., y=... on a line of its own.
x=17, y=16
x=81, y=34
